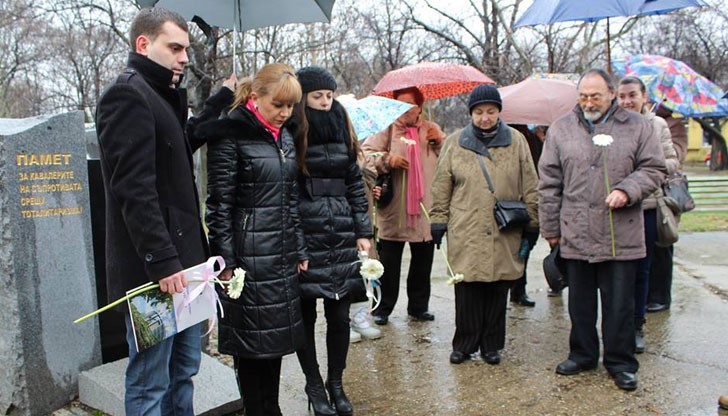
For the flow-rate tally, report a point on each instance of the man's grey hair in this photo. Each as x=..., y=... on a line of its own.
x=611, y=84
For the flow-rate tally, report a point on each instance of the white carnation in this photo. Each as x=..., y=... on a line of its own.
x=236, y=284
x=603, y=140
x=457, y=278
x=371, y=269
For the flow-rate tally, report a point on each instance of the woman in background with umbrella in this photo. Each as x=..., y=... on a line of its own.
x=486, y=151
x=408, y=149
x=253, y=221
x=336, y=225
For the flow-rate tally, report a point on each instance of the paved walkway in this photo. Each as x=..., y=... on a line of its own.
x=407, y=371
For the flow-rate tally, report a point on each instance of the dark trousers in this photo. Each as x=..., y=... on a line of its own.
x=418, y=278
x=480, y=316
x=615, y=281
x=519, y=286
x=337, y=337
x=258, y=381
x=661, y=276
x=643, y=271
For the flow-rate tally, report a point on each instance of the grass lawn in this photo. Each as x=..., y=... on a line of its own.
x=704, y=221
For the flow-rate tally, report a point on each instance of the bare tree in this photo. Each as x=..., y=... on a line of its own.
x=89, y=52
x=21, y=37
x=479, y=35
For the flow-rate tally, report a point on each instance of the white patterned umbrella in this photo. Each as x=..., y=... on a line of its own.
x=373, y=113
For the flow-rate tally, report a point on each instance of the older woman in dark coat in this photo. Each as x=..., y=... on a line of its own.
x=253, y=223
x=335, y=222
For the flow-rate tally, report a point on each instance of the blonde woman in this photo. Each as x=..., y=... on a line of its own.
x=253, y=221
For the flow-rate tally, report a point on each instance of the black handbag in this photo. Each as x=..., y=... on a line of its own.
x=384, y=181
x=511, y=213
x=507, y=213
x=676, y=187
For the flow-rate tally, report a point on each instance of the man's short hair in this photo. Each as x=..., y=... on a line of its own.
x=149, y=22
x=602, y=73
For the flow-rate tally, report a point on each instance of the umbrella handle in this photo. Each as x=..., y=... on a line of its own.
x=235, y=37
x=235, y=53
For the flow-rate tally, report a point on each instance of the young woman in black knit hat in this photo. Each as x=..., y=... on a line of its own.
x=333, y=208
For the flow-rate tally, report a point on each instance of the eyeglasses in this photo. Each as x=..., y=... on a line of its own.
x=595, y=98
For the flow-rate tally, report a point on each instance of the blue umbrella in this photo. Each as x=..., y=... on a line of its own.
x=544, y=12
x=373, y=113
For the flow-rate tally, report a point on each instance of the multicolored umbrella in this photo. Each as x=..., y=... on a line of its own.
x=372, y=114
x=675, y=85
x=537, y=100
x=434, y=79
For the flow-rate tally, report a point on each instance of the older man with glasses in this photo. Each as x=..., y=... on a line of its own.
x=597, y=164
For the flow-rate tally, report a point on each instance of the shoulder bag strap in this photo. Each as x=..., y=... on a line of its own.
x=485, y=173
x=389, y=138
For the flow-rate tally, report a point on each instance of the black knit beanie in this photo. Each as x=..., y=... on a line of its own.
x=485, y=93
x=314, y=78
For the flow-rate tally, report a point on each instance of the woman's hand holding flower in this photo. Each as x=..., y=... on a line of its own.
x=363, y=244
x=226, y=274
x=398, y=162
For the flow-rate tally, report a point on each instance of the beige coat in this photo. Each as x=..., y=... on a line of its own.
x=572, y=189
x=377, y=149
x=462, y=200
x=671, y=162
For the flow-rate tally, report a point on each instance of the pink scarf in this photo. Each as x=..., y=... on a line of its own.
x=415, y=177
x=275, y=131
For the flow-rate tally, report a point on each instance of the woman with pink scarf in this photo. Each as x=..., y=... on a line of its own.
x=408, y=149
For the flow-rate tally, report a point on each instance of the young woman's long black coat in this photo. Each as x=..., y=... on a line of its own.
x=253, y=223
x=332, y=223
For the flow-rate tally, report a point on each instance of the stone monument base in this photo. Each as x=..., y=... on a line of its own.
x=216, y=391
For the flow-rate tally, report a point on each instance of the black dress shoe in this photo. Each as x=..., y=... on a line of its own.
x=423, y=316
x=524, y=300
x=657, y=307
x=380, y=319
x=626, y=380
x=491, y=357
x=457, y=357
x=554, y=293
x=570, y=368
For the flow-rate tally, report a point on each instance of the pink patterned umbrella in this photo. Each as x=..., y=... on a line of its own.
x=434, y=79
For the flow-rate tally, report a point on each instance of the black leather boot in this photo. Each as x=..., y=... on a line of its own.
x=315, y=389
x=338, y=397
x=317, y=398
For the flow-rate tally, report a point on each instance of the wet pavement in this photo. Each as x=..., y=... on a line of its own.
x=407, y=372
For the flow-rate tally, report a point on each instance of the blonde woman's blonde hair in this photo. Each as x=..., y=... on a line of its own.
x=277, y=80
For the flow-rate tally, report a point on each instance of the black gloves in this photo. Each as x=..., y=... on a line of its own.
x=530, y=234
x=437, y=231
